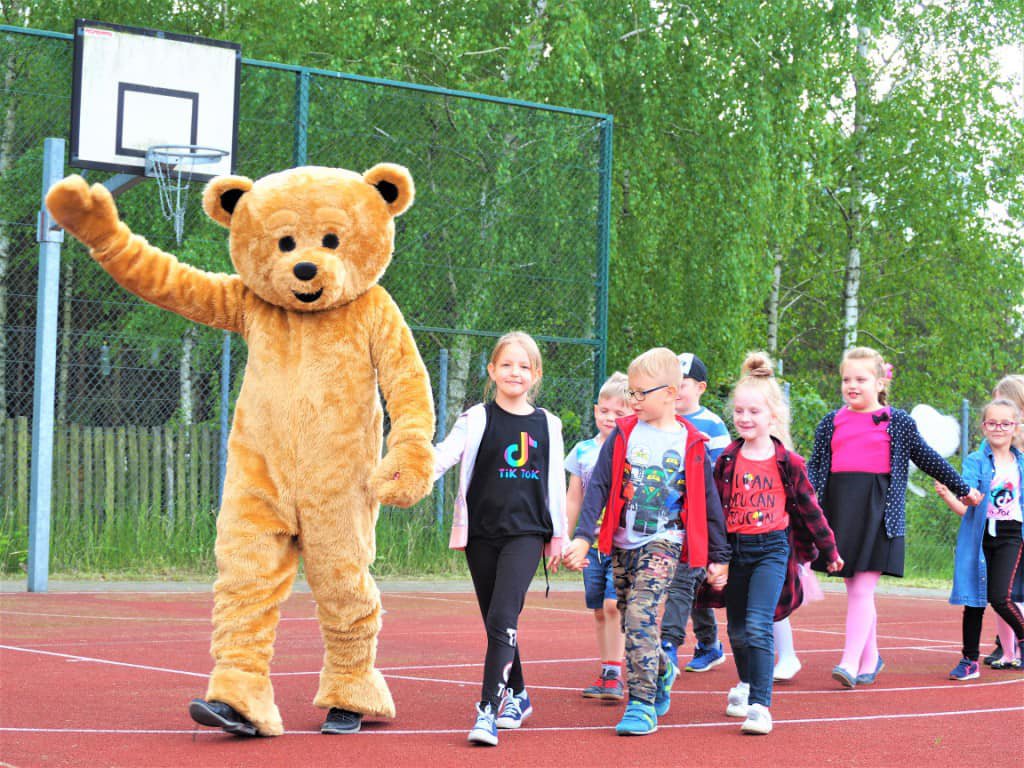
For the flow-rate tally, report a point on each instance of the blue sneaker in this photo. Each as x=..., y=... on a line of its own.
x=670, y=651
x=663, y=696
x=965, y=670
x=868, y=678
x=484, y=729
x=705, y=658
x=514, y=709
x=639, y=719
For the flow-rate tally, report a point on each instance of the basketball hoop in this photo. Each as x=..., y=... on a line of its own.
x=172, y=166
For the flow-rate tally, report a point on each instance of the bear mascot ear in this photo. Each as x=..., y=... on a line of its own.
x=394, y=183
x=222, y=195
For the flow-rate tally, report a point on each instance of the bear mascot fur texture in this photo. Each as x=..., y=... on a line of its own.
x=304, y=473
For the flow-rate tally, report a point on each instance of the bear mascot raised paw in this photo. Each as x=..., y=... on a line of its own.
x=304, y=473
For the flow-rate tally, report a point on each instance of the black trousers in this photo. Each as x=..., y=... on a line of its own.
x=1002, y=559
x=502, y=570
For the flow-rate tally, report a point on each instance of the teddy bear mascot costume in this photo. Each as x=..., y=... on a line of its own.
x=304, y=473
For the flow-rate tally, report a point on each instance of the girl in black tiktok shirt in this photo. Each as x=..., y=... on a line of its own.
x=510, y=510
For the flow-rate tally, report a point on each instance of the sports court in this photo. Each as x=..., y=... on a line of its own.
x=103, y=678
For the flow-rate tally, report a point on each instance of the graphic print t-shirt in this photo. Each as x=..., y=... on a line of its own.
x=1004, y=494
x=653, y=487
x=757, y=500
x=580, y=462
x=508, y=491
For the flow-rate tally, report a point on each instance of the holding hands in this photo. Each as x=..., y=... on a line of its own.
x=974, y=498
x=574, y=556
x=718, y=575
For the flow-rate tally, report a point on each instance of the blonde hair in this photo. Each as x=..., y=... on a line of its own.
x=659, y=363
x=525, y=341
x=1000, y=402
x=1012, y=388
x=758, y=373
x=883, y=371
x=617, y=386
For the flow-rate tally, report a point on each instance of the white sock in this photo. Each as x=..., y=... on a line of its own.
x=783, y=634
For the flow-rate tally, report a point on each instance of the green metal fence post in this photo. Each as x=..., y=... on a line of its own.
x=301, y=116
x=604, y=219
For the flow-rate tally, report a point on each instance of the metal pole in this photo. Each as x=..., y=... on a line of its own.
x=49, y=236
x=442, y=427
x=301, y=117
x=225, y=408
x=604, y=229
x=965, y=423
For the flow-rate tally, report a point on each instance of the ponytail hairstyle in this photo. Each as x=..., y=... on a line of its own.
x=525, y=341
x=758, y=372
x=883, y=370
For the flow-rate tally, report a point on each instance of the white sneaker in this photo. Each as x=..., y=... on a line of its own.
x=737, y=704
x=787, y=668
x=759, y=720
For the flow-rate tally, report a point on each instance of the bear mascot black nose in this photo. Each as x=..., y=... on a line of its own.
x=305, y=270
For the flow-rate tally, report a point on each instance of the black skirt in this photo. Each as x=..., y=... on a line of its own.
x=855, y=509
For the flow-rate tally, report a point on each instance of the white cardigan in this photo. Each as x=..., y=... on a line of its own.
x=463, y=442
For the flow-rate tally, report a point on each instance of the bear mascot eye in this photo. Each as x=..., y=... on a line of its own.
x=286, y=243
x=330, y=241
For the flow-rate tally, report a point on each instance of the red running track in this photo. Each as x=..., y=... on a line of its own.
x=104, y=679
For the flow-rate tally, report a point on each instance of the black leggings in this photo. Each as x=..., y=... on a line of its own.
x=1002, y=557
x=502, y=570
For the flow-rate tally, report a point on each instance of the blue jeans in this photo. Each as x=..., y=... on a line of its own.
x=598, y=580
x=756, y=573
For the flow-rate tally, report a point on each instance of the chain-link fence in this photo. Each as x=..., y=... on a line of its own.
x=509, y=231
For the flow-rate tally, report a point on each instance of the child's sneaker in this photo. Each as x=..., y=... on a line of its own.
x=997, y=652
x=1008, y=664
x=705, y=658
x=787, y=668
x=736, y=705
x=639, y=719
x=663, y=696
x=759, y=720
x=671, y=651
x=514, y=709
x=965, y=670
x=484, y=729
x=608, y=686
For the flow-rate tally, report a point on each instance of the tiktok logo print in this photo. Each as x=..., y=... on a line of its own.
x=515, y=469
x=1001, y=499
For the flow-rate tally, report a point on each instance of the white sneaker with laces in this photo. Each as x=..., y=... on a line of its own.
x=737, y=703
x=759, y=720
x=787, y=668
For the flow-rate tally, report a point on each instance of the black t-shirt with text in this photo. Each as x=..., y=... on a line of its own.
x=508, y=491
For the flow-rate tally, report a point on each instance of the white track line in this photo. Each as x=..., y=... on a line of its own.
x=733, y=724
x=73, y=657
x=162, y=619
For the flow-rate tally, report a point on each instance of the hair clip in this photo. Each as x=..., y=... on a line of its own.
x=887, y=371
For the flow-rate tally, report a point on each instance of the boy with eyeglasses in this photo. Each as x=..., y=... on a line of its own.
x=653, y=476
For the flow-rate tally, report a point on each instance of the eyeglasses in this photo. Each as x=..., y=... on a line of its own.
x=999, y=426
x=641, y=395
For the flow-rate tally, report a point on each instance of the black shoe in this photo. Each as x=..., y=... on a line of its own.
x=996, y=654
x=341, y=721
x=217, y=714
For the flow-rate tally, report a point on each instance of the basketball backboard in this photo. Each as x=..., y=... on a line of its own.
x=136, y=88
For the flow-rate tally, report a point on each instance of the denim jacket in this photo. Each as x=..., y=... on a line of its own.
x=970, y=575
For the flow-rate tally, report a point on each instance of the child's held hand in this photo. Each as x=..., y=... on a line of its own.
x=836, y=565
x=553, y=562
x=718, y=575
x=974, y=498
x=574, y=556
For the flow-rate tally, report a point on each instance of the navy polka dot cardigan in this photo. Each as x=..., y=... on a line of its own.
x=906, y=445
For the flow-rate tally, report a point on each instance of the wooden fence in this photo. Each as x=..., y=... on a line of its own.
x=104, y=471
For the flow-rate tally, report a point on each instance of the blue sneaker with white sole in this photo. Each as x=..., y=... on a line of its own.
x=514, y=709
x=484, y=729
x=663, y=696
x=706, y=657
x=639, y=719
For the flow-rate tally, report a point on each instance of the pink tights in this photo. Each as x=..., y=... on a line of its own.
x=860, y=655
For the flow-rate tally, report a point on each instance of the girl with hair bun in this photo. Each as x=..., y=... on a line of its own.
x=859, y=469
x=773, y=522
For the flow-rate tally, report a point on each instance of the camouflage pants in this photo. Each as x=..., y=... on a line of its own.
x=642, y=578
